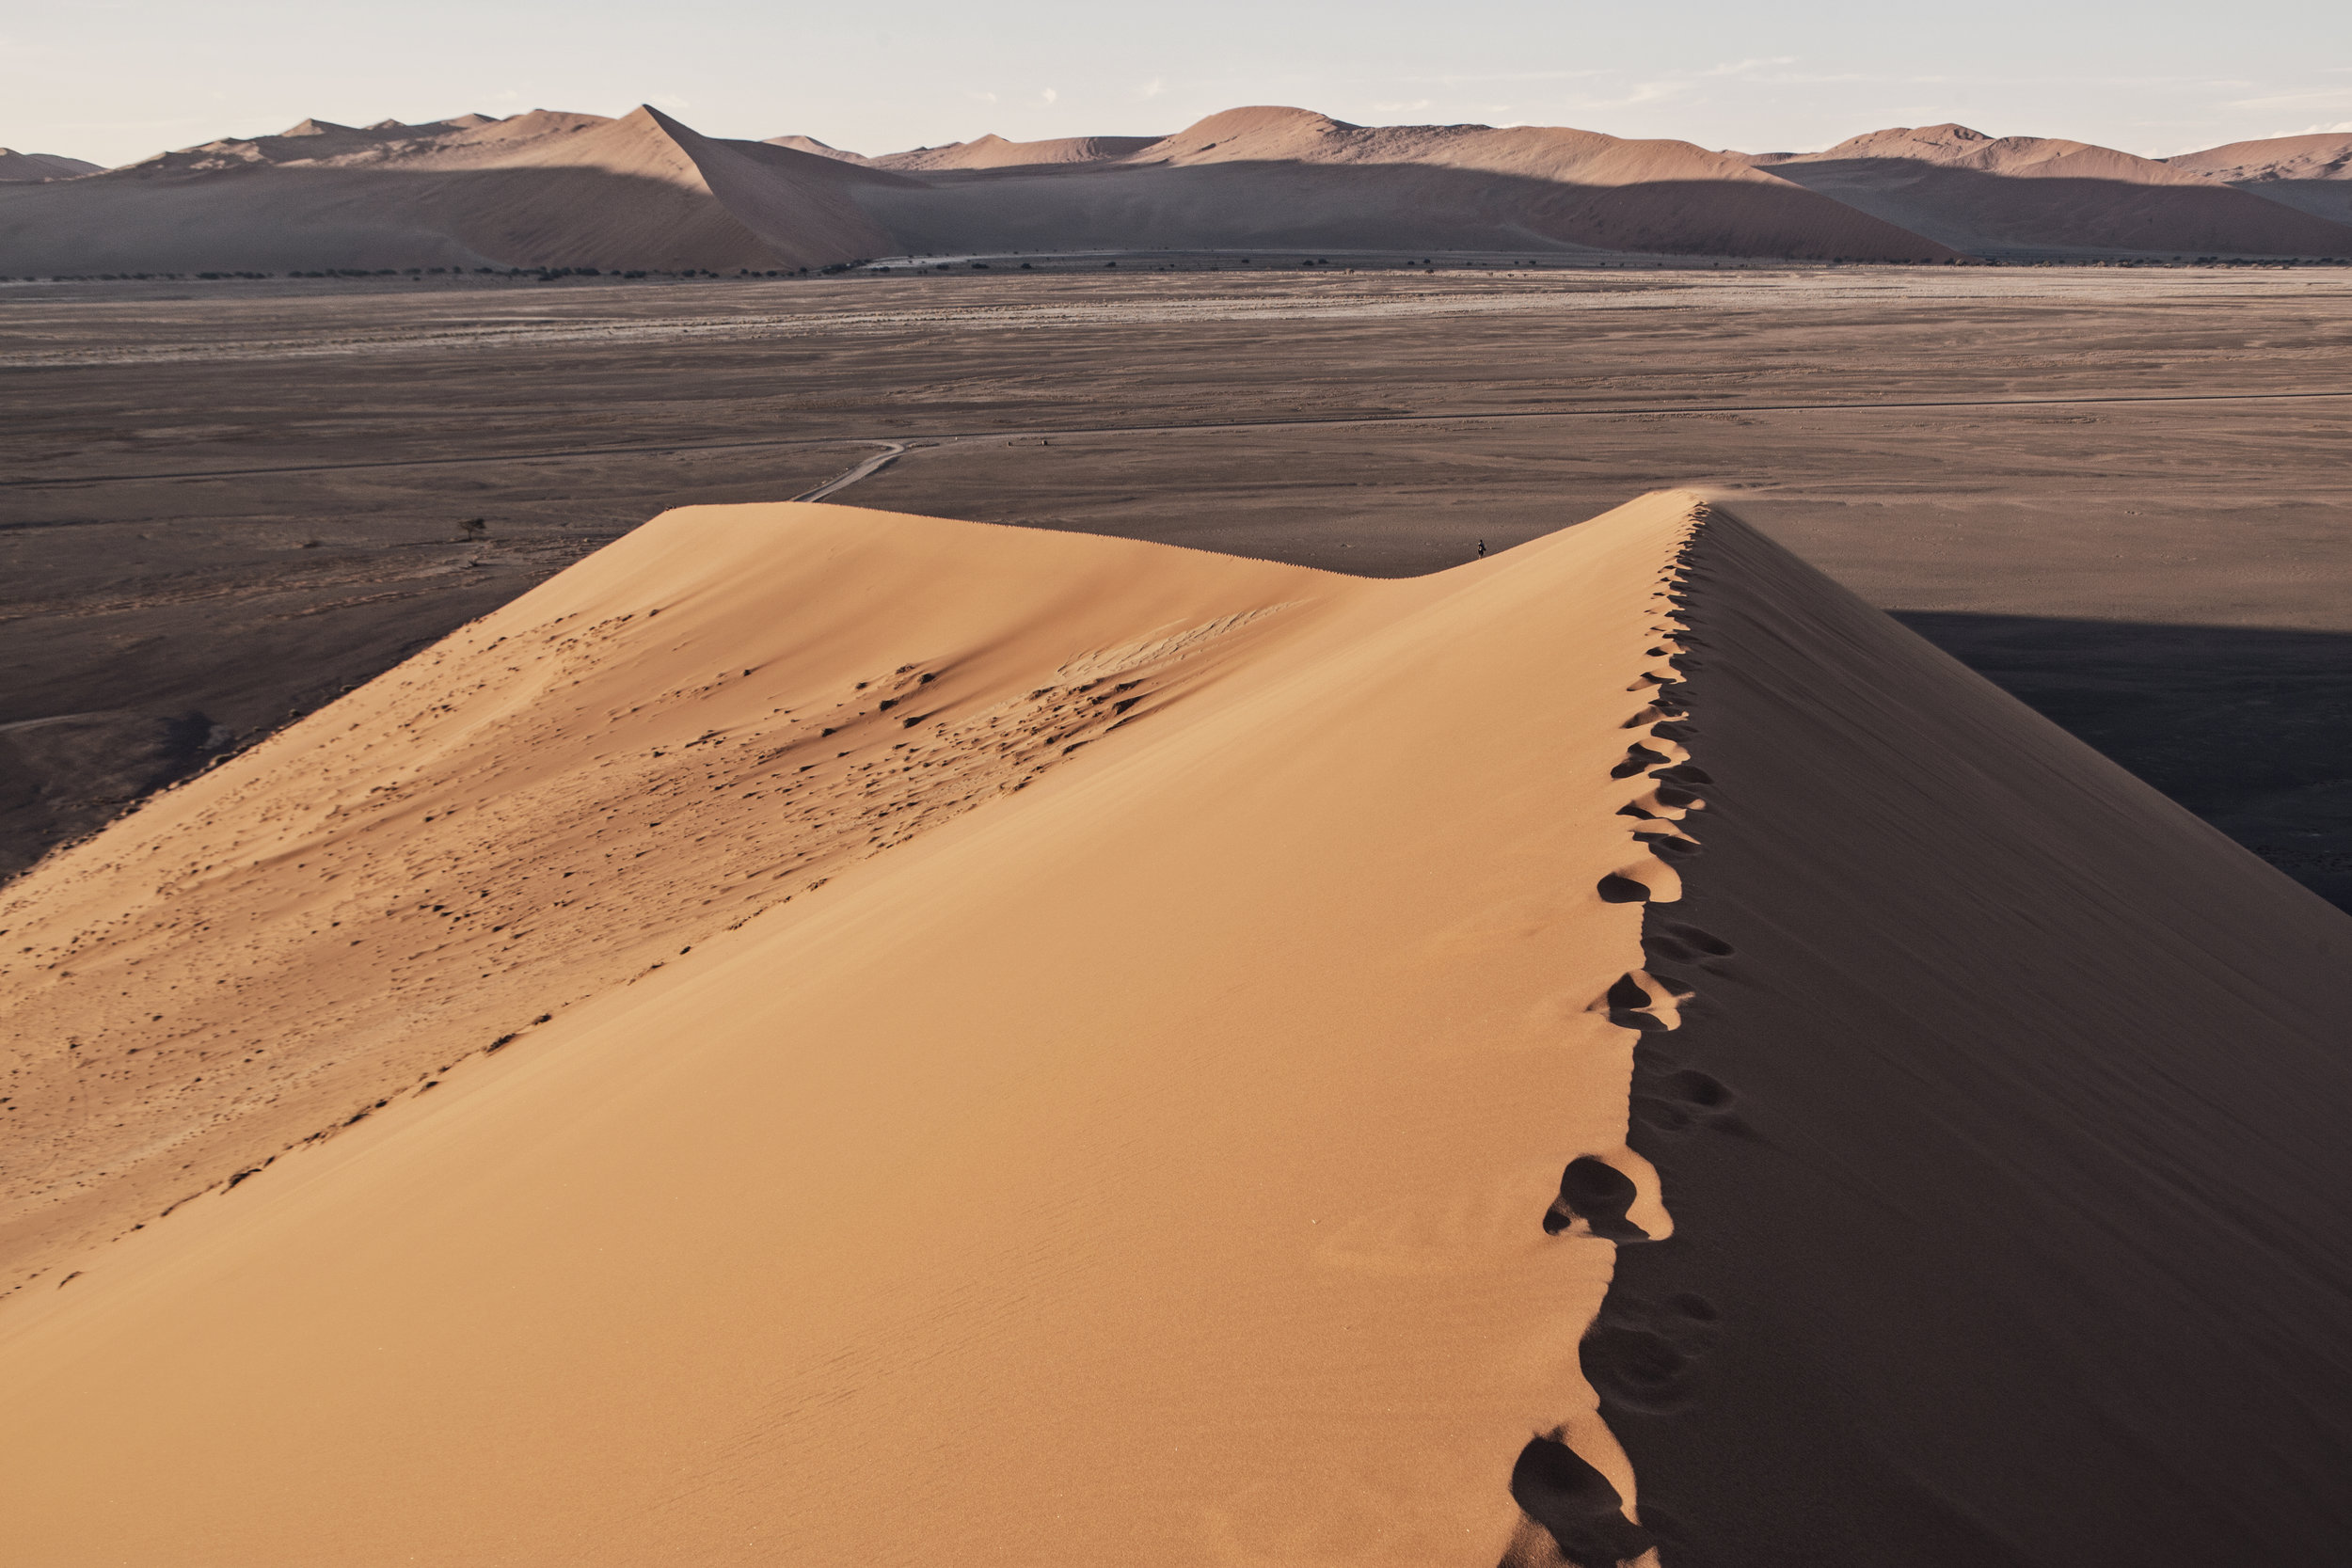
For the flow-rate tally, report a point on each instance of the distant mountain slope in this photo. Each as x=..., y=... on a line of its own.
x=2032, y=196
x=20, y=167
x=2313, y=174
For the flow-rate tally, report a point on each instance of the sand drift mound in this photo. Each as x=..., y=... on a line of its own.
x=819, y=1036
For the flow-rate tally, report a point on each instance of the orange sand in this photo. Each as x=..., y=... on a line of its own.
x=1147, y=1160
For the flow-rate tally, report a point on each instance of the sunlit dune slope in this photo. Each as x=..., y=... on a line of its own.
x=1155, y=1155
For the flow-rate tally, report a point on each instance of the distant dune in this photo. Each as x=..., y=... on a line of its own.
x=810, y=144
x=538, y=188
x=2313, y=174
x=17, y=167
x=997, y=152
x=546, y=189
x=2033, y=196
x=1276, y=177
x=821, y=1036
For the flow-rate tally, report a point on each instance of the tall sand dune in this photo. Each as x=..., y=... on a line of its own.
x=2313, y=174
x=1148, y=1156
x=2034, y=195
x=819, y=1036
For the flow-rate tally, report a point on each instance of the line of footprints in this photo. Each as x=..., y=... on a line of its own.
x=1638, y=1354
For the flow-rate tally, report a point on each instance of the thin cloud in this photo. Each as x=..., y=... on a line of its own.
x=1742, y=67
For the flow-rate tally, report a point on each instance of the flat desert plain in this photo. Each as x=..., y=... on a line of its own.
x=2120, y=494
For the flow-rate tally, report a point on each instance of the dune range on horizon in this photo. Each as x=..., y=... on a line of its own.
x=646, y=193
x=816, y=1033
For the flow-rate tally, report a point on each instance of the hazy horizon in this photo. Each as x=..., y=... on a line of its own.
x=117, y=80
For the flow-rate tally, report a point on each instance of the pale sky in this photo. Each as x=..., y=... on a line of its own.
x=113, y=80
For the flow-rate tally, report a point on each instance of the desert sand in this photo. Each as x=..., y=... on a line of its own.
x=816, y=1033
x=1120, y=1020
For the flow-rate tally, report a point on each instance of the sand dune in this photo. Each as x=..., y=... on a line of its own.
x=16, y=167
x=535, y=189
x=810, y=144
x=1153, y=1150
x=2313, y=174
x=1281, y=177
x=2033, y=196
x=821, y=1034
x=546, y=189
x=993, y=152
x=647, y=192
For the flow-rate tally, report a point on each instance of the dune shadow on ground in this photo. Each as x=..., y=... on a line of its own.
x=2250, y=729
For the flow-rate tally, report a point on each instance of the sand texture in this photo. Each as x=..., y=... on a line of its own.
x=819, y=1033
x=1159, y=1149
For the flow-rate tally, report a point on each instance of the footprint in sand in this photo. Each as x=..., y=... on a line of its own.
x=1576, y=1505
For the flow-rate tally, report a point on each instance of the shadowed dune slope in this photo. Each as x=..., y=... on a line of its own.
x=2313, y=174
x=2033, y=196
x=1149, y=1156
x=2005, y=1149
